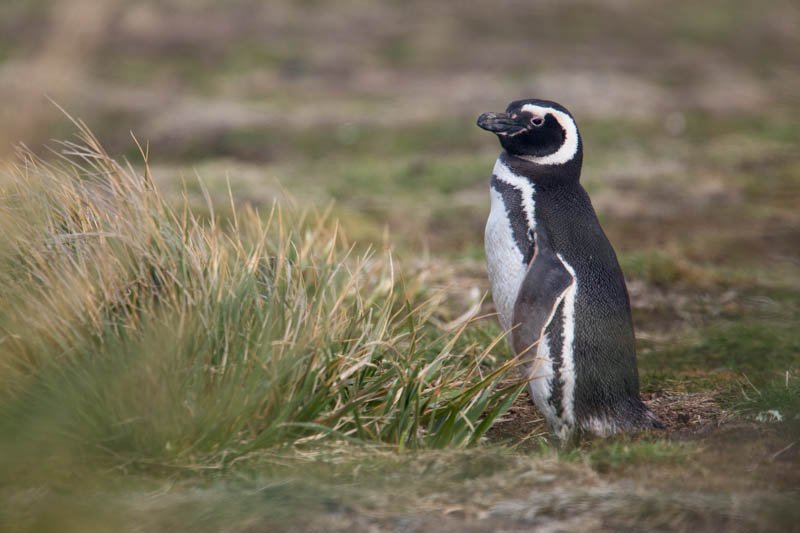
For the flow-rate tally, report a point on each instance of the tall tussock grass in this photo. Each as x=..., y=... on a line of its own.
x=133, y=329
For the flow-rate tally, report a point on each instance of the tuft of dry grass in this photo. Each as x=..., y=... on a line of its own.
x=138, y=330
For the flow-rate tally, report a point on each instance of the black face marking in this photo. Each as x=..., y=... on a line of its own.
x=523, y=234
x=541, y=136
x=555, y=331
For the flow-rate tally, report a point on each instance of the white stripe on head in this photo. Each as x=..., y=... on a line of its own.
x=570, y=145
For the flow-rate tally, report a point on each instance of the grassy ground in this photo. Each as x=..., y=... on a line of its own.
x=689, y=116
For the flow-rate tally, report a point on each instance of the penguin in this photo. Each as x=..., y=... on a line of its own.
x=556, y=282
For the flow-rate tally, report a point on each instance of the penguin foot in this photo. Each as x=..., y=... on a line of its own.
x=633, y=417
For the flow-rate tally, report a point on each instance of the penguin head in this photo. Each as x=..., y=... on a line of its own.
x=539, y=131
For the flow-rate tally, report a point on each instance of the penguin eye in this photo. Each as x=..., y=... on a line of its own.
x=537, y=121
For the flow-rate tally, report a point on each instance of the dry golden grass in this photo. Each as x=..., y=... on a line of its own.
x=158, y=337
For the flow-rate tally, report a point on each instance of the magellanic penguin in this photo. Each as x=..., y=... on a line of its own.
x=555, y=279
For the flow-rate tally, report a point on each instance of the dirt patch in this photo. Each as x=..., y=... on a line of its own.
x=686, y=414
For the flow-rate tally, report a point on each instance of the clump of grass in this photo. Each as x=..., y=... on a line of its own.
x=621, y=452
x=152, y=336
x=780, y=395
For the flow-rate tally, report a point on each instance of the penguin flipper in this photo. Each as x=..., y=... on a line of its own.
x=545, y=283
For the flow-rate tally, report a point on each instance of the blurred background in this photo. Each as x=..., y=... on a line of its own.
x=690, y=117
x=689, y=111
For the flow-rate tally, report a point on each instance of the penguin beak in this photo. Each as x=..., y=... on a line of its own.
x=499, y=123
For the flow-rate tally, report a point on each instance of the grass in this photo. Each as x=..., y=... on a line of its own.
x=621, y=453
x=348, y=486
x=210, y=363
x=138, y=335
x=214, y=365
x=161, y=351
x=159, y=354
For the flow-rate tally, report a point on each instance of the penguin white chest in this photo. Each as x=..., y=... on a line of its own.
x=507, y=238
x=505, y=261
